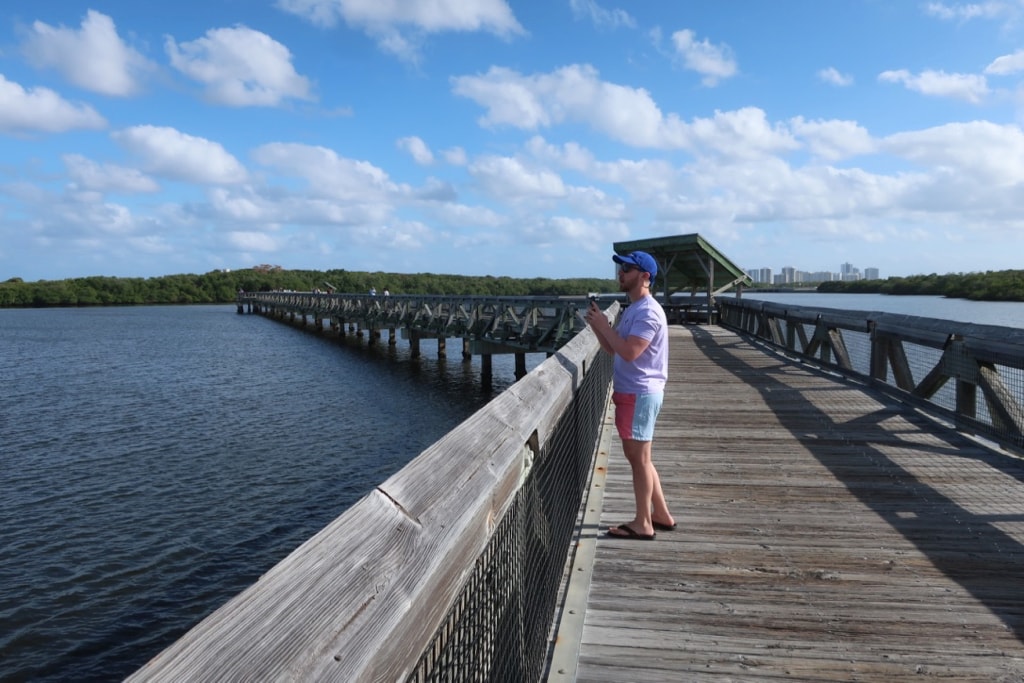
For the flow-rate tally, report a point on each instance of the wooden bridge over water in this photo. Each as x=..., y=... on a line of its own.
x=830, y=529
x=825, y=533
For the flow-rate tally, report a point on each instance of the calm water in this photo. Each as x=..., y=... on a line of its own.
x=155, y=461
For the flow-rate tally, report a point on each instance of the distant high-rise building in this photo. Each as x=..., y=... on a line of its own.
x=871, y=274
x=760, y=274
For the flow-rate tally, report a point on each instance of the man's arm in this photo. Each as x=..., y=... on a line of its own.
x=629, y=349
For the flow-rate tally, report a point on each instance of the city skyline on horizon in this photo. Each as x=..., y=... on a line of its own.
x=789, y=274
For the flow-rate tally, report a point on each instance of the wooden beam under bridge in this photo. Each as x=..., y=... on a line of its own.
x=487, y=325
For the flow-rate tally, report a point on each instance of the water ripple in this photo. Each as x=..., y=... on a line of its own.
x=155, y=461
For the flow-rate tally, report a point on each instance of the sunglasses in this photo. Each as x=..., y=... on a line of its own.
x=628, y=267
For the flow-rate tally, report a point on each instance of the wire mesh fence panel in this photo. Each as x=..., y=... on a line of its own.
x=498, y=628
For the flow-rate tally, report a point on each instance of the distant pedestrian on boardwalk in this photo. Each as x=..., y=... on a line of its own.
x=639, y=344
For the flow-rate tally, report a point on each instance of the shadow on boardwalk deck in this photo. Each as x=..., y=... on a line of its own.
x=825, y=534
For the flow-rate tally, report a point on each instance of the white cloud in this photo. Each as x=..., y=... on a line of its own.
x=968, y=87
x=172, y=154
x=330, y=177
x=741, y=134
x=252, y=241
x=94, y=58
x=991, y=9
x=240, y=207
x=572, y=93
x=239, y=67
x=628, y=115
x=510, y=179
x=89, y=175
x=978, y=153
x=417, y=149
x=397, y=25
x=713, y=62
x=42, y=110
x=1007, y=64
x=832, y=76
x=833, y=140
x=456, y=156
x=601, y=17
x=403, y=235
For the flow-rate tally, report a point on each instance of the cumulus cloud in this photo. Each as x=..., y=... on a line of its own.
x=42, y=110
x=417, y=149
x=88, y=175
x=240, y=206
x=979, y=152
x=239, y=67
x=628, y=115
x=93, y=58
x=397, y=25
x=510, y=179
x=967, y=87
x=713, y=62
x=1006, y=64
x=170, y=153
x=572, y=93
x=328, y=175
x=833, y=140
x=832, y=76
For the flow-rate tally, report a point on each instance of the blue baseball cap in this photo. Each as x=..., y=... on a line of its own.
x=640, y=259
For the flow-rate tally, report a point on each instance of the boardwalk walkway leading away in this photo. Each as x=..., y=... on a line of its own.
x=825, y=534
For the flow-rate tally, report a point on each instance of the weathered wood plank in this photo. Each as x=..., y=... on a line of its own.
x=361, y=600
x=825, y=534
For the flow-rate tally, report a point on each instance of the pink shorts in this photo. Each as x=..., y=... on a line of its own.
x=635, y=415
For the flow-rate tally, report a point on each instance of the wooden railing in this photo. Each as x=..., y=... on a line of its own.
x=524, y=323
x=938, y=365
x=387, y=591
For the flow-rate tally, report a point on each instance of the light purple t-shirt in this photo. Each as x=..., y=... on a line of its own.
x=647, y=374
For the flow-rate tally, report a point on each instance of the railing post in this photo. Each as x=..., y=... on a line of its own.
x=879, y=354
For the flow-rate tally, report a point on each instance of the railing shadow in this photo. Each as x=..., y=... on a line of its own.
x=986, y=561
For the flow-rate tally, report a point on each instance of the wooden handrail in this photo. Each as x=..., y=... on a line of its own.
x=970, y=356
x=361, y=600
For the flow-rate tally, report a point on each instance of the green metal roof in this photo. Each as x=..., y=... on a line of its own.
x=688, y=262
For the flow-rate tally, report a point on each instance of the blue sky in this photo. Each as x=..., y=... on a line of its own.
x=504, y=137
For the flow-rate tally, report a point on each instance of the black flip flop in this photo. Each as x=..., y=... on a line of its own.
x=630, y=535
x=664, y=527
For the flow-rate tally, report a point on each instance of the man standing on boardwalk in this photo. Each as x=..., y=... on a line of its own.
x=639, y=344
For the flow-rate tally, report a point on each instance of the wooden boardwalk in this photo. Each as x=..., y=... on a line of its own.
x=825, y=534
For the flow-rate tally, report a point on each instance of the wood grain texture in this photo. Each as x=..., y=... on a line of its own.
x=825, y=534
x=361, y=599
